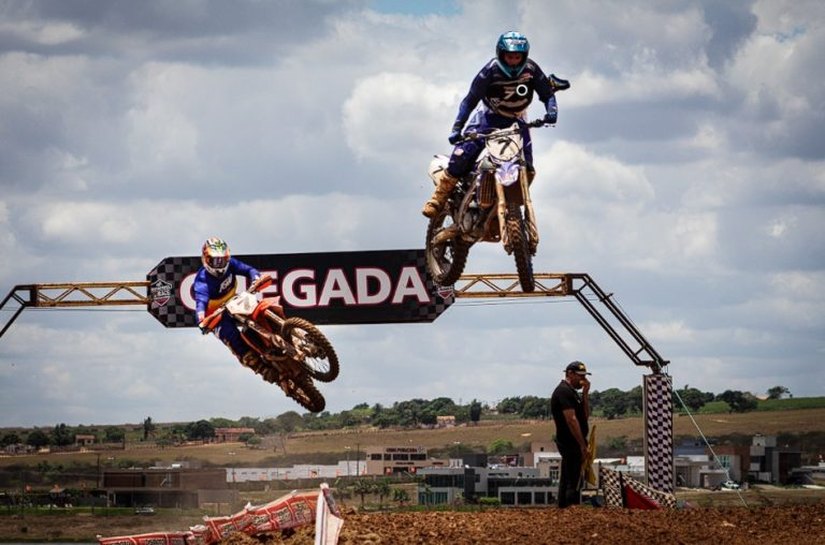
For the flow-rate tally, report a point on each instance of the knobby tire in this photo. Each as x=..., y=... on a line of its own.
x=517, y=234
x=306, y=394
x=446, y=261
x=321, y=362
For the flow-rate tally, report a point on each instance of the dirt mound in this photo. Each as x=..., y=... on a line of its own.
x=786, y=524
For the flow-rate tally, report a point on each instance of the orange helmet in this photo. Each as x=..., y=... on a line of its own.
x=215, y=256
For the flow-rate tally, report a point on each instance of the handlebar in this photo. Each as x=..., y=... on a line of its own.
x=468, y=136
x=259, y=284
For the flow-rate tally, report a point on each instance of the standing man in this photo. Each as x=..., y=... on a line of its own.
x=570, y=413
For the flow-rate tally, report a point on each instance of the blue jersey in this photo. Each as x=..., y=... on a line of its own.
x=506, y=96
x=211, y=292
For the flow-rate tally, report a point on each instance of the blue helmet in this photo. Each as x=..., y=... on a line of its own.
x=512, y=42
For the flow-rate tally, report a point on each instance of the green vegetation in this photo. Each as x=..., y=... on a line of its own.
x=415, y=413
x=791, y=404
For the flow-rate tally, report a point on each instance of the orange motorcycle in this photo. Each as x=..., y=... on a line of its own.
x=294, y=347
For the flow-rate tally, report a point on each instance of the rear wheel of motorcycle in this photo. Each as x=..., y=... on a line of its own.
x=321, y=361
x=445, y=261
x=520, y=244
x=306, y=394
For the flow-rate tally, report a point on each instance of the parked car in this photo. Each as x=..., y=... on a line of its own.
x=145, y=510
x=730, y=485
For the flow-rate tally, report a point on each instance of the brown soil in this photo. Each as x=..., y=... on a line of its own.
x=793, y=523
x=60, y=527
x=797, y=524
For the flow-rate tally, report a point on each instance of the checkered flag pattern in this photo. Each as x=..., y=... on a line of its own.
x=611, y=483
x=440, y=297
x=658, y=413
x=164, y=285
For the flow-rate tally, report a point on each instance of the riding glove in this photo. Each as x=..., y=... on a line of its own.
x=455, y=135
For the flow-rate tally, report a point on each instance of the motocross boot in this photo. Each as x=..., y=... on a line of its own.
x=446, y=183
x=251, y=360
x=256, y=364
x=270, y=374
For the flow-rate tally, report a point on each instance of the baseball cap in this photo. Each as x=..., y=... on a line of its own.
x=577, y=367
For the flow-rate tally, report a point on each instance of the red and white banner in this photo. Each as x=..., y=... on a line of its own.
x=223, y=527
x=157, y=538
x=289, y=511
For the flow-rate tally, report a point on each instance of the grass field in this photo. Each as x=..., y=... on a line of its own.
x=519, y=432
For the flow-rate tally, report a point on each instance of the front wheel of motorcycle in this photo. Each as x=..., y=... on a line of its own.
x=305, y=393
x=517, y=234
x=445, y=259
x=319, y=357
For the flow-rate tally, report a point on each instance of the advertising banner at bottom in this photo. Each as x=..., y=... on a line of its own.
x=156, y=538
x=289, y=511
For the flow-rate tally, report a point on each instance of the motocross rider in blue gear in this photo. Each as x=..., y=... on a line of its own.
x=505, y=87
x=216, y=283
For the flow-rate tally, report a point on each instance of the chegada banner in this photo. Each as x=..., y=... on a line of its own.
x=366, y=287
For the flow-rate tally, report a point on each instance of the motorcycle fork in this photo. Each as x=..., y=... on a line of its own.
x=530, y=219
x=502, y=217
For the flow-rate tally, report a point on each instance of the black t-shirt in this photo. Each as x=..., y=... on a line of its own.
x=565, y=397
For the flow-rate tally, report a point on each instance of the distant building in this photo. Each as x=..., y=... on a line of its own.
x=168, y=487
x=515, y=486
x=399, y=459
x=546, y=458
x=343, y=468
x=446, y=421
x=771, y=463
x=84, y=440
x=231, y=435
x=696, y=467
x=540, y=450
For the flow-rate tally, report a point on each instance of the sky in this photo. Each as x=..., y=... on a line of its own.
x=685, y=175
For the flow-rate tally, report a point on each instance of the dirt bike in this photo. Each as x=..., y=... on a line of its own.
x=294, y=347
x=486, y=205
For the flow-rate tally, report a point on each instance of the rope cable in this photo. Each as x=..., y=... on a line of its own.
x=707, y=443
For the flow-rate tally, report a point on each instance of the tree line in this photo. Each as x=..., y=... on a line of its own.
x=611, y=403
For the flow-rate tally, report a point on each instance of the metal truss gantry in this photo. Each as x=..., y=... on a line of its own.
x=76, y=294
x=579, y=285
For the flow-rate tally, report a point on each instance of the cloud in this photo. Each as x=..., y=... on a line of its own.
x=685, y=175
x=392, y=116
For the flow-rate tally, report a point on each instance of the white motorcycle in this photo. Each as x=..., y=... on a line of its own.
x=491, y=204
